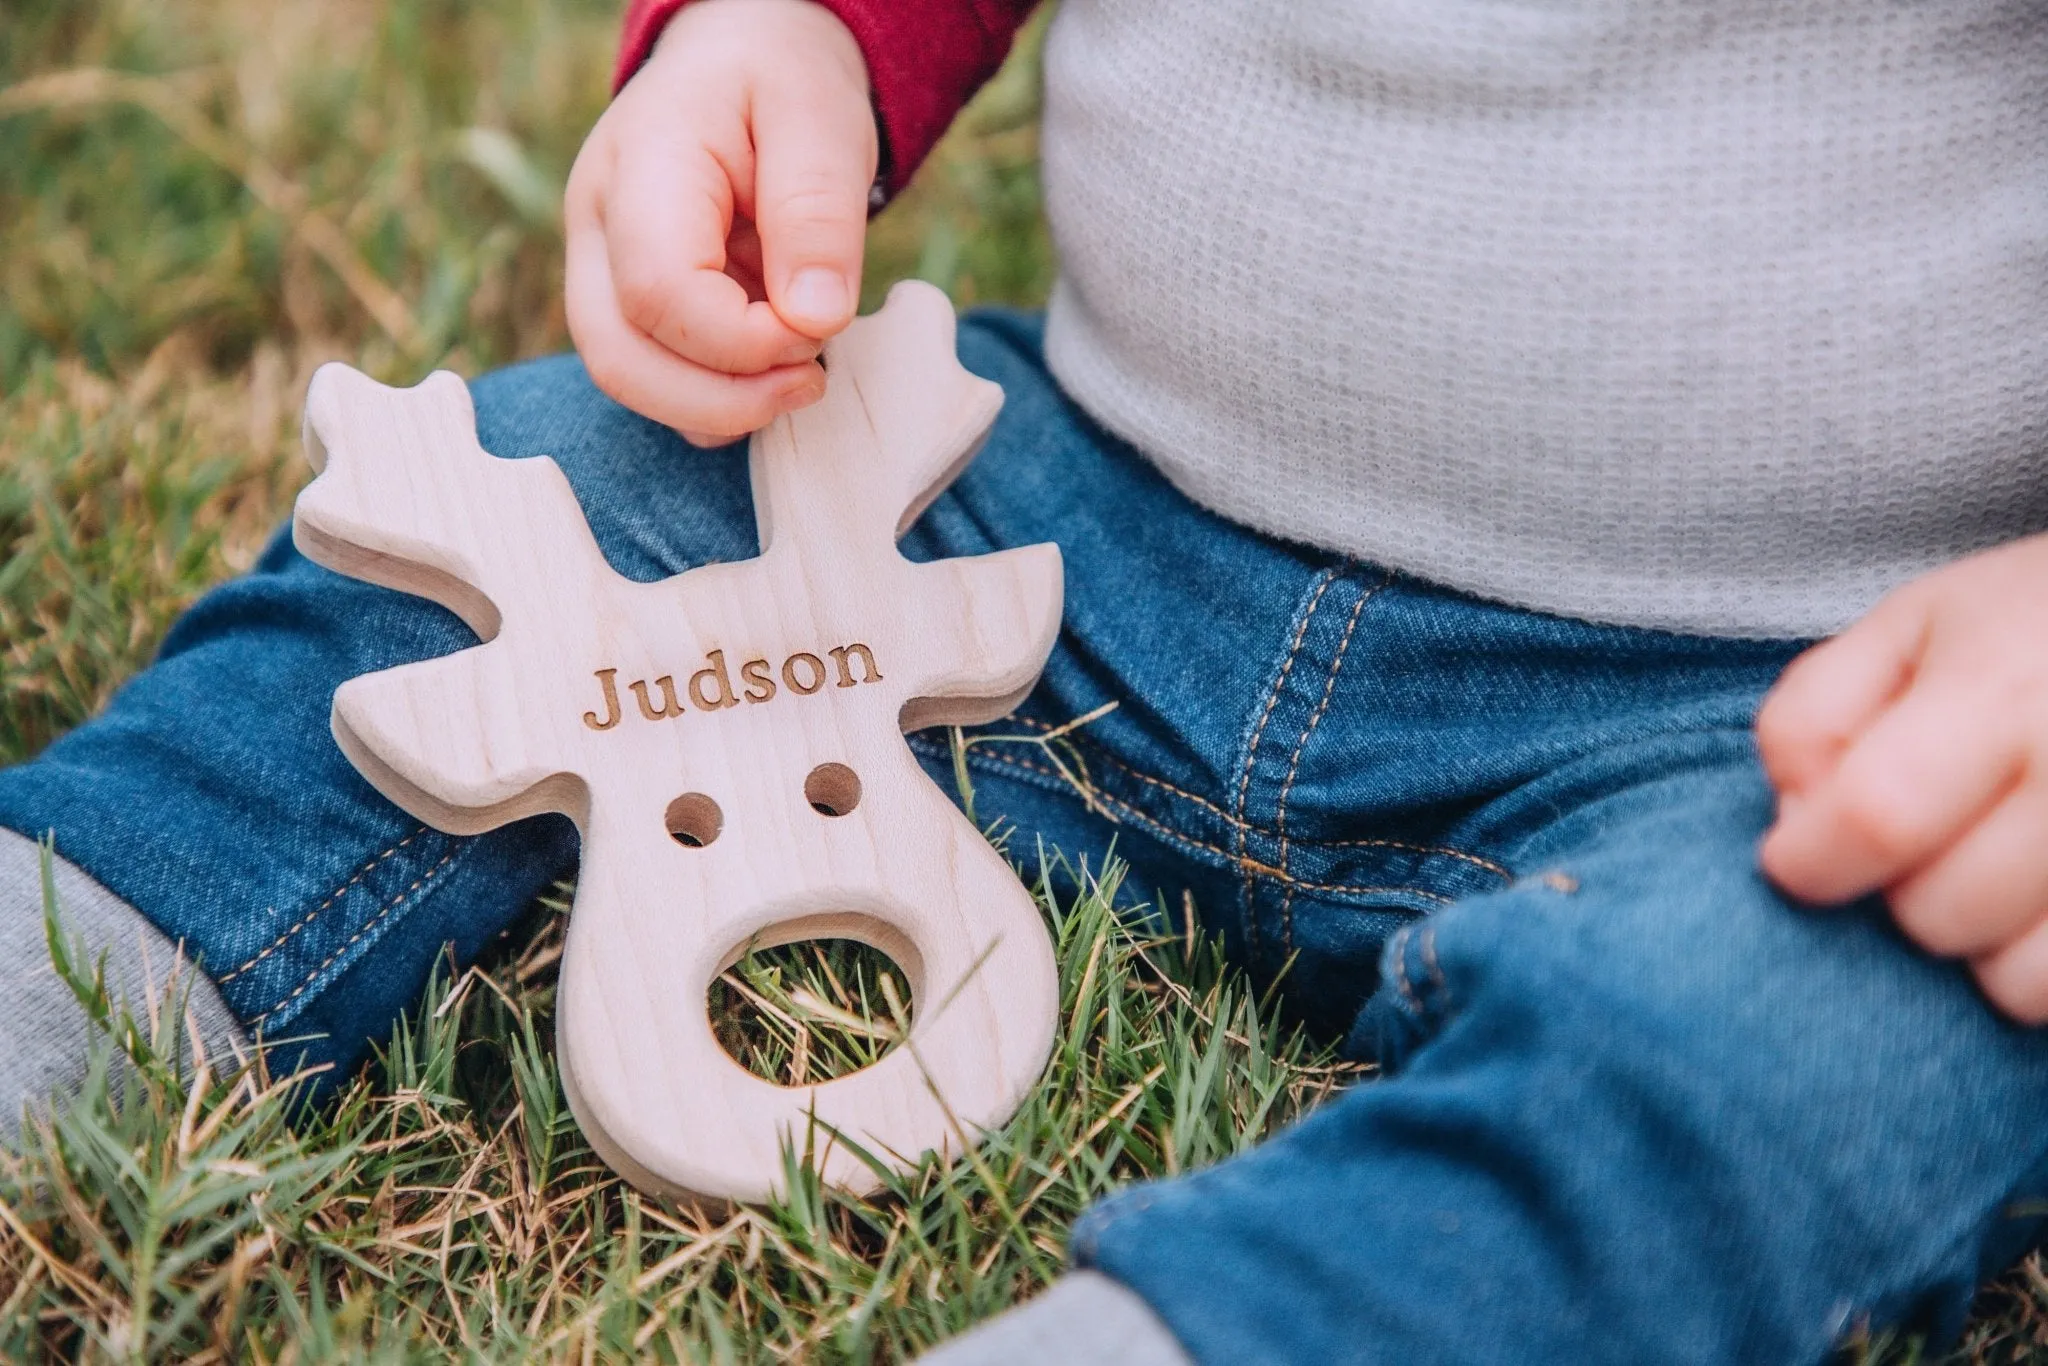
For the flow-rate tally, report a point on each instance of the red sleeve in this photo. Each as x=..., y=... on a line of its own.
x=926, y=58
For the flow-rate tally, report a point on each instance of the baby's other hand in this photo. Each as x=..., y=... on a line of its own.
x=1910, y=755
x=716, y=214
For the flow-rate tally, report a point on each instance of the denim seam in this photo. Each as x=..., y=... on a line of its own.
x=1436, y=971
x=1250, y=866
x=1251, y=754
x=1252, y=827
x=312, y=915
x=1035, y=724
x=1402, y=985
x=368, y=925
x=1294, y=761
x=1059, y=782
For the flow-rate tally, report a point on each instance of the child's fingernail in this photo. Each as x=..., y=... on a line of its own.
x=800, y=354
x=818, y=295
x=802, y=395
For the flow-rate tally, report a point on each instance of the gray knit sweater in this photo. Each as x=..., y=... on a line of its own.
x=1715, y=315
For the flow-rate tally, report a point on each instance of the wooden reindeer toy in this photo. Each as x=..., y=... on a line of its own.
x=729, y=742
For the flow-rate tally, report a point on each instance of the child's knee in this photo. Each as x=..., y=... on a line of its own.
x=1657, y=961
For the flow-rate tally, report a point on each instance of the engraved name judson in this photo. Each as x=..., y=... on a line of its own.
x=711, y=687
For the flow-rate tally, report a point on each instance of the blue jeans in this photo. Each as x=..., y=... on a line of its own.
x=1638, y=1107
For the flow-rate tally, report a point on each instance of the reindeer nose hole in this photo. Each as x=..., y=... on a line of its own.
x=803, y=1013
x=693, y=820
x=832, y=789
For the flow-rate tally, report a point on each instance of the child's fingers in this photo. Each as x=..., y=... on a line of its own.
x=666, y=221
x=1833, y=691
x=1988, y=888
x=1922, y=773
x=2016, y=976
x=743, y=259
x=815, y=159
x=648, y=378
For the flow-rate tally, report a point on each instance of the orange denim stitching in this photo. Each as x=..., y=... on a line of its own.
x=1137, y=813
x=368, y=925
x=313, y=914
x=1475, y=860
x=1294, y=761
x=1251, y=753
x=1406, y=846
x=1141, y=776
x=1302, y=885
x=1250, y=866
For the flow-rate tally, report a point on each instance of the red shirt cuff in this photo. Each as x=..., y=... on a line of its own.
x=926, y=58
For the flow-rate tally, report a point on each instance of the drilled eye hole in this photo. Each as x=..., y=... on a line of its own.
x=832, y=789
x=694, y=820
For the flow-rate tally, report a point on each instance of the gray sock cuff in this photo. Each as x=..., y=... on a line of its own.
x=44, y=1034
x=1085, y=1319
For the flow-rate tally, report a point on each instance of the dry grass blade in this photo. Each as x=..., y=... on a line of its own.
x=90, y=86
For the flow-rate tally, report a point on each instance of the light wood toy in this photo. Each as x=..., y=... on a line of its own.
x=729, y=742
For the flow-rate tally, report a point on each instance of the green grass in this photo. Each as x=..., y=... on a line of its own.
x=447, y=1206
x=201, y=201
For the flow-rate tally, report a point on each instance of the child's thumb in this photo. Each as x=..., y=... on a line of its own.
x=813, y=167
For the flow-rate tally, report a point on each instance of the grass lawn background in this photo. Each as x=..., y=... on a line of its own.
x=200, y=202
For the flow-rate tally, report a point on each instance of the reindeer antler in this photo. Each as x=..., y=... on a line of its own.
x=899, y=419
x=407, y=498
x=836, y=483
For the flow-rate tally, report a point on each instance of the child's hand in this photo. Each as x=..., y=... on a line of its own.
x=1910, y=755
x=716, y=215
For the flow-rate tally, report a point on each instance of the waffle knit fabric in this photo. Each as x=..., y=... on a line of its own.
x=1720, y=316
